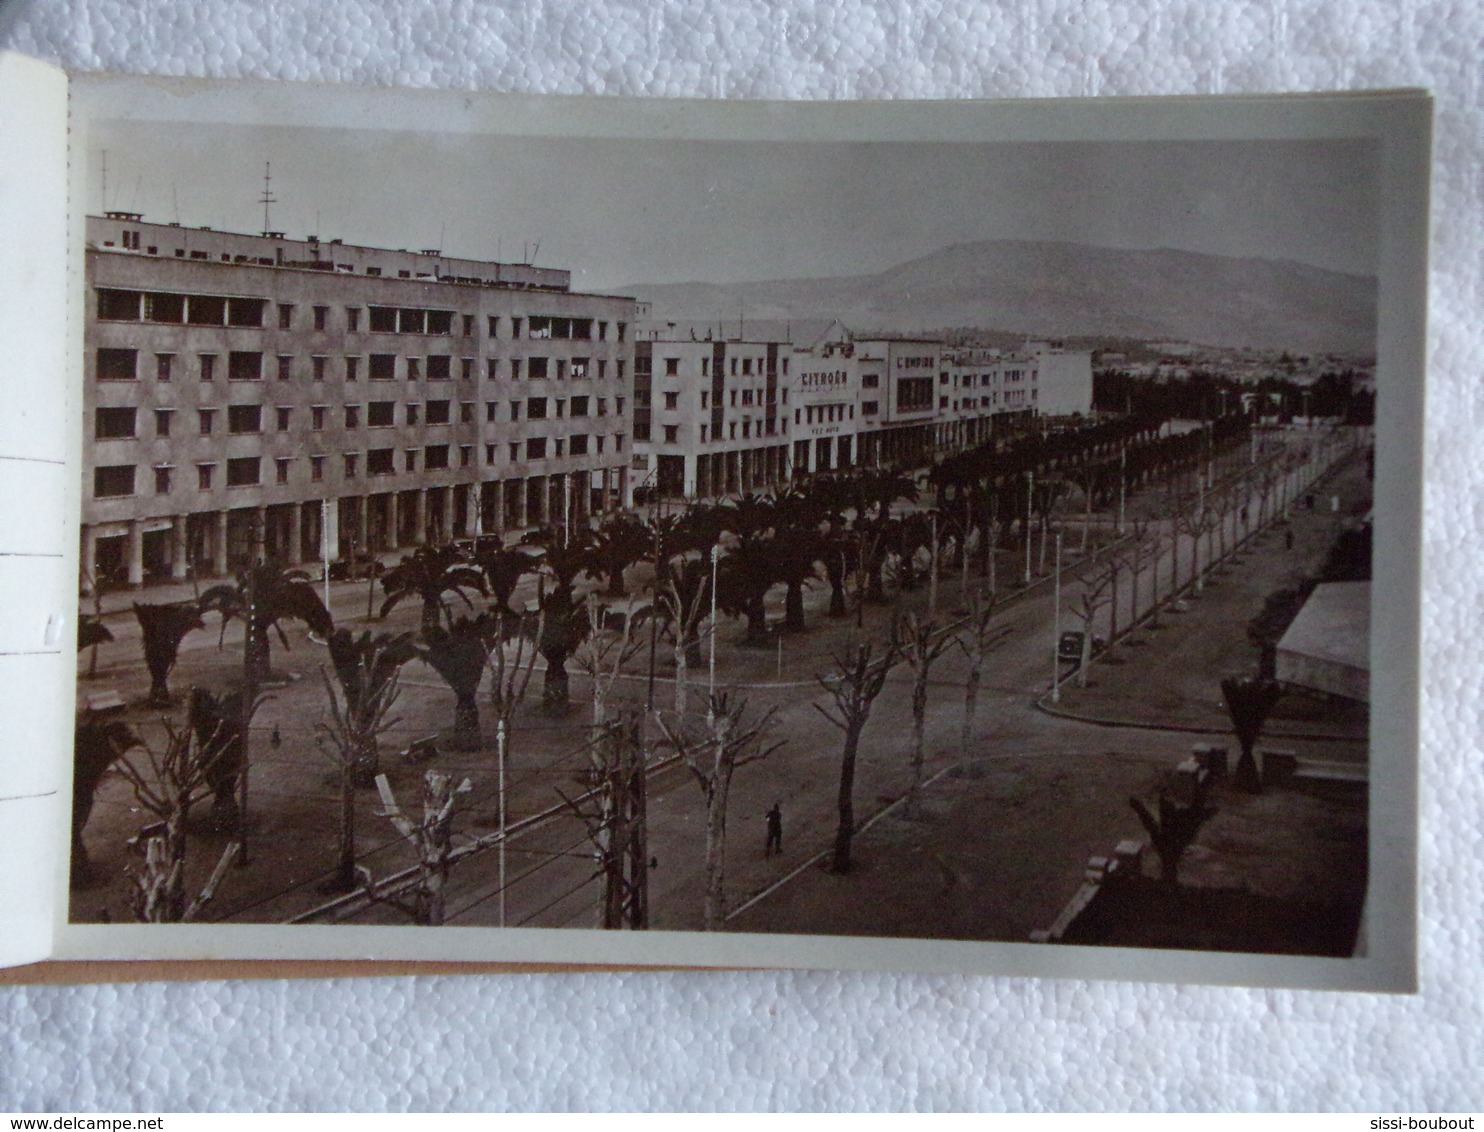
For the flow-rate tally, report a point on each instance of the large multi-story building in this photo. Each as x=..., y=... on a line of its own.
x=710, y=414
x=250, y=394
x=899, y=403
x=1064, y=379
x=827, y=397
x=722, y=409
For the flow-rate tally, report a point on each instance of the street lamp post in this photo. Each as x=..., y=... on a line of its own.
x=1056, y=629
x=711, y=678
x=1030, y=495
x=500, y=770
x=324, y=543
x=1122, y=485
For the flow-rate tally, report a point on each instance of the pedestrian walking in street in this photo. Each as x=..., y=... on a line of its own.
x=775, y=831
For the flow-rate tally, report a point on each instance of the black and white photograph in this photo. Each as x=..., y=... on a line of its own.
x=943, y=538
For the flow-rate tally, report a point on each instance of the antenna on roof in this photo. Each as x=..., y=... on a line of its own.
x=175, y=201
x=267, y=198
x=535, y=251
x=105, y=180
x=442, y=231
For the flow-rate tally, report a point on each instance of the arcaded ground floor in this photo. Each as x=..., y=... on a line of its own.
x=208, y=543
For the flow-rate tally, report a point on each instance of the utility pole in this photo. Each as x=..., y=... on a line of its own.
x=637, y=850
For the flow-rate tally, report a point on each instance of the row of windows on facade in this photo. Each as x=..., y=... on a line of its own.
x=121, y=423
x=967, y=380
x=643, y=398
x=120, y=364
x=115, y=480
x=116, y=305
x=672, y=367
x=671, y=433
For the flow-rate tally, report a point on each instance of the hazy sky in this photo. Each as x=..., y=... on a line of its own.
x=616, y=211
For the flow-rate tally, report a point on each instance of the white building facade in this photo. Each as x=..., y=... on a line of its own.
x=254, y=395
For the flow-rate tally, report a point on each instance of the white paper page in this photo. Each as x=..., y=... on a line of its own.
x=174, y=105
x=37, y=628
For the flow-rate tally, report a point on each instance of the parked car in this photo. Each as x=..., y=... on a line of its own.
x=357, y=567
x=1069, y=647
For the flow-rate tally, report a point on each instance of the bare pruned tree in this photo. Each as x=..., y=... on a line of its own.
x=858, y=678
x=683, y=599
x=601, y=657
x=167, y=783
x=920, y=642
x=615, y=814
x=1096, y=579
x=1143, y=545
x=976, y=637
x=431, y=838
x=732, y=740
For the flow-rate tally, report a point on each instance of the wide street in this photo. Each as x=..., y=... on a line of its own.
x=1050, y=773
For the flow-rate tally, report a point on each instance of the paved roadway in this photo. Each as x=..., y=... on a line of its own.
x=550, y=868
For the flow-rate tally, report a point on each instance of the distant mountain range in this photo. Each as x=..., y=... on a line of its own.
x=1056, y=289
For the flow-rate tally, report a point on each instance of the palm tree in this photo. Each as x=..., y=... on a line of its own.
x=838, y=551
x=218, y=723
x=458, y=654
x=1173, y=828
x=796, y=555
x=91, y=631
x=751, y=567
x=798, y=547
x=565, y=624
x=1249, y=701
x=503, y=569
x=428, y=573
x=366, y=669
x=97, y=743
x=162, y=628
x=616, y=545
x=263, y=596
